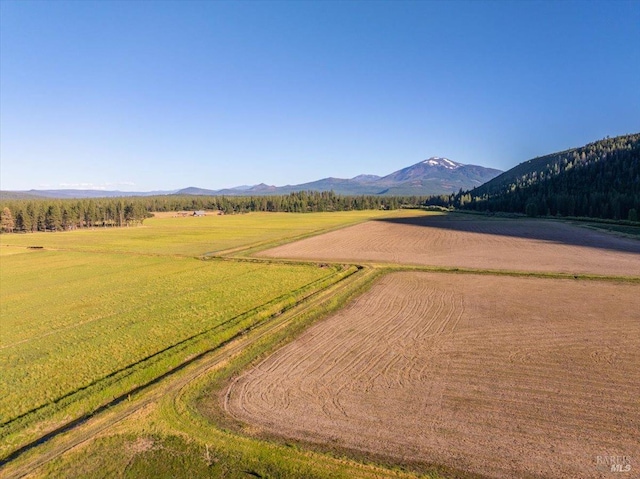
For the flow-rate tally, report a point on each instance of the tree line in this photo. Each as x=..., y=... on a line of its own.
x=599, y=180
x=69, y=214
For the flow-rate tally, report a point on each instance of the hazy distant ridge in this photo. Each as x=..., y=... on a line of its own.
x=70, y=194
x=433, y=176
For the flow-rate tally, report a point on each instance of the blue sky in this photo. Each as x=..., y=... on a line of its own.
x=140, y=96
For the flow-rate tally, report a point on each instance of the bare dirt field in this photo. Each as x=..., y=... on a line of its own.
x=500, y=376
x=474, y=242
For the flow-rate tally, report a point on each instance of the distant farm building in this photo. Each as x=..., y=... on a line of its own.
x=198, y=213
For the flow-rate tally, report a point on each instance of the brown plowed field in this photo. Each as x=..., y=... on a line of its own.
x=508, y=377
x=472, y=242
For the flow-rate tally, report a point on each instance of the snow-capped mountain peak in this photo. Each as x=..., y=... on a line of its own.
x=442, y=162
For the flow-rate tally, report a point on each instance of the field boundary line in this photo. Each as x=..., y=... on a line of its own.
x=512, y=273
x=272, y=309
x=184, y=415
x=202, y=363
x=432, y=269
x=181, y=410
x=240, y=252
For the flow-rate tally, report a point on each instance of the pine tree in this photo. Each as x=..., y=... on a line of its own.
x=53, y=218
x=7, y=223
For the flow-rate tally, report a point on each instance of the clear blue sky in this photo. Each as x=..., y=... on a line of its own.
x=141, y=96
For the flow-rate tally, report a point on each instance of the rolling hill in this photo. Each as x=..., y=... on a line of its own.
x=600, y=179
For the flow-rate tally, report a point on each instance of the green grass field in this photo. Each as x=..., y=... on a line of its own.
x=97, y=314
x=190, y=236
x=90, y=317
x=90, y=314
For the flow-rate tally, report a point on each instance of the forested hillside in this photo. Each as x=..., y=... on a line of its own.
x=61, y=214
x=600, y=180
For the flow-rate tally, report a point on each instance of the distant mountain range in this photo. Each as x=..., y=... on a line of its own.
x=434, y=176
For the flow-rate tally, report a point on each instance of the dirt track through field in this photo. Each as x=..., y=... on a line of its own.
x=471, y=242
x=508, y=377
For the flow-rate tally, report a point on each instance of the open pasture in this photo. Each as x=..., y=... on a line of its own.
x=89, y=315
x=508, y=377
x=462, y=241
x=70, y=319
x=190, y=235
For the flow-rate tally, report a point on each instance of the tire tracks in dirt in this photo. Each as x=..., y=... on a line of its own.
x=438, y=370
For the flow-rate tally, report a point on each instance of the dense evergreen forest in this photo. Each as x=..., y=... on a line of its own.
x=69, y=214
x=599, y=180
